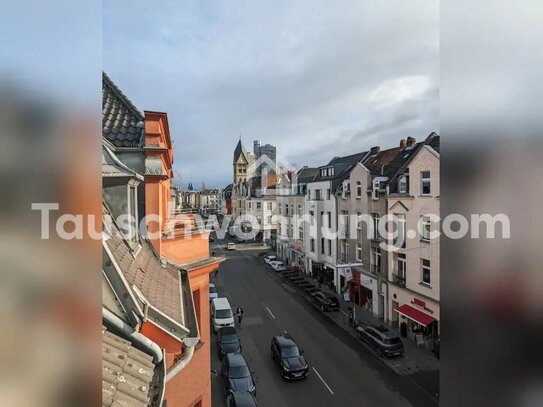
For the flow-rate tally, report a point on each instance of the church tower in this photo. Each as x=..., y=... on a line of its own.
x=241, y=163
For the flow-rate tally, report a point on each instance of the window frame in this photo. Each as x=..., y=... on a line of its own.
x=424, y=268
x=423, y=180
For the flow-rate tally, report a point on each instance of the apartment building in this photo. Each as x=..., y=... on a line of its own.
x=413, y=270
x=141, y=271
x=291, y=191
x=210, y=200
x=320, y=237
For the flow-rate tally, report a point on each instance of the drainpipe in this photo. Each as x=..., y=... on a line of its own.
x=190, y=344
x=125, y=328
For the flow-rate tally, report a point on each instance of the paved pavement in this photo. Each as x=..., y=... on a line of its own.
x=343, y=372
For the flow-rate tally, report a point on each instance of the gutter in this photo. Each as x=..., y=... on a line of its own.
x=182, y=363
x=131, y=333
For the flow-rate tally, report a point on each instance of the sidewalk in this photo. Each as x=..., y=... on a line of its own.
x=414, y=359
x=423, y=359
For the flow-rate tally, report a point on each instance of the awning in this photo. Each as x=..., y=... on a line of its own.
x=415, y=315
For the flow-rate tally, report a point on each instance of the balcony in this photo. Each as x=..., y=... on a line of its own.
x=398, y=280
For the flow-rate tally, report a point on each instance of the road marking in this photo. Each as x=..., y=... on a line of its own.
x=288, y=288
x=322, y=380
x=271, y=313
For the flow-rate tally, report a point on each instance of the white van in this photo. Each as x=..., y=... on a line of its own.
x=221, y=313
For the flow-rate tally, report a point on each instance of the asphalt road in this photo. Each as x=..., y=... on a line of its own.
x=342, y=371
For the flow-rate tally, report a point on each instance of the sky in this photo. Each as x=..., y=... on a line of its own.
x=316, y=79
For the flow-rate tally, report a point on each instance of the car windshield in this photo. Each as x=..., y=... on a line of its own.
x=223, y=313
x=231, y=338
x=392, y=341
x=290, y=351
x=239, y=372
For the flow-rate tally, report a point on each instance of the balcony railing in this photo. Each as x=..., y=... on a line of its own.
x=375, y=268
x=398, y=280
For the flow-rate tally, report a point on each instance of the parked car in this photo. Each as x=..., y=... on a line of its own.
x=213, y=293
x=270, y=258
x=221, y=313
x=289, y=357
x=231, y=246
x=278, y=266
x=241, y=399
x=326, y=302
x=382, y=339
x=236, y=376
x=228, y=341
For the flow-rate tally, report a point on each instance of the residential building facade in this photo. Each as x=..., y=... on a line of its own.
x=321, y=206
x=413, y=270
x=292, y=188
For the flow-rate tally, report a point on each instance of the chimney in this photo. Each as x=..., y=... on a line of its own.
x=375, y=150
x=410, y=141
x=402, y=143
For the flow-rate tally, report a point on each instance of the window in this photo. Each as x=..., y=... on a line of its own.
x=318, y=194
x=358, y=221
x=402, y=265
x=358, y=252
x=375, y=189
x=376, y=260
x=249, y=205
x=402, y=184
x=358, y=189
x=425, y=265
x=269, y=206
x=344, y=247
x=322, y=245
x=312, y=245
x=300, y=232
x=292, y=209
x=329, y=247
x=299, y=210
x=328, y=194
x=329, y=219
x=400, y=239
x=426, y=226
x=258, y=205
x=312, y=217
x=375, y=218
x=286, y=209
x=279, y=208
x=425, y=182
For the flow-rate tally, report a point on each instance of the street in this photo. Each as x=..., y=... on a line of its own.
x=342, y=371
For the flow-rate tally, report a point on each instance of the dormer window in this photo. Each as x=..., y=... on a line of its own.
x=403, y=184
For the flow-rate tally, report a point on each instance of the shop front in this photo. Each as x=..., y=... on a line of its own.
x=322, y=273
x=418, y=322
x=363, y=292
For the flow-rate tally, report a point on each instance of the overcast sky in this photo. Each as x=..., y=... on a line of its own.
x=316, y=79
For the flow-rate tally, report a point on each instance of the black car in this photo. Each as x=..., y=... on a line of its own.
x=326, y=302
x=241, y=399
x=236, y=376
x=289, y=357
x=382, y=339
x=228, y=341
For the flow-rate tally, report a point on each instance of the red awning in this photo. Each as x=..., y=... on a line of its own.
x=415, y=315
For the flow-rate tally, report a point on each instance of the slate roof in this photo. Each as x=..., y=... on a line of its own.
x=122, y=122
x=307, y=174
x=240, y=149
x=128, y=374
x=161, y=286
x=342, y=166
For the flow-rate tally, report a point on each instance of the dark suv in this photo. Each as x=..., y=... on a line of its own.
x=326, y=302
x=379, y=337
x=289, y=357
x=228, y=341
